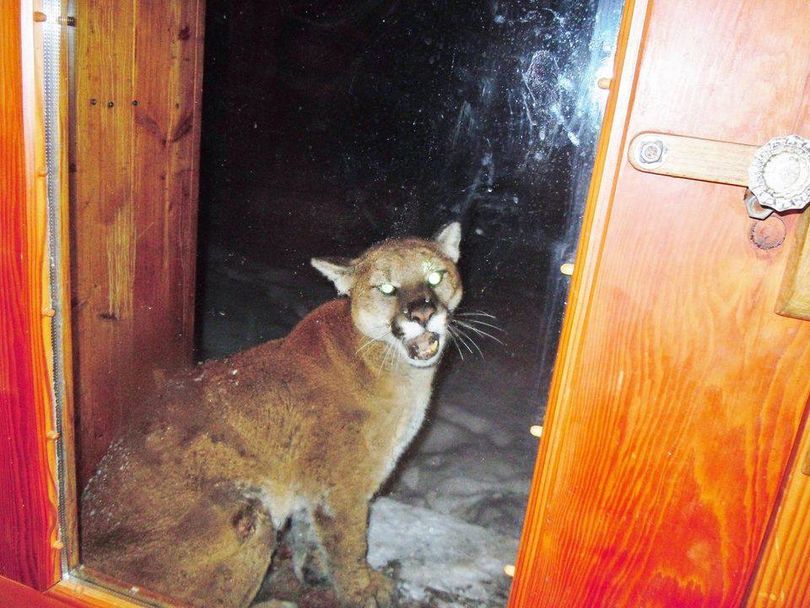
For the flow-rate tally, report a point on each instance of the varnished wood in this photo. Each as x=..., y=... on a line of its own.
x=794, y=296
x=723, y=162
x=678, y=392
x=138, y=68
x=101, y=222
x=94, y=590
x=15, y=595
x=27, y=490
x=783, y=574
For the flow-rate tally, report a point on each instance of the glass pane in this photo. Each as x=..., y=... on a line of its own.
x=330, y=126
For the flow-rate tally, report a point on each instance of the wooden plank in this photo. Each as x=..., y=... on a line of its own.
x=166, y=132
x=794, y=296
x=693, y=158
x=15, y=595
x=136, y=217
x=783, y=574
x=184, y=162
x=678, y=393
x=102, y=224
x=27, y=493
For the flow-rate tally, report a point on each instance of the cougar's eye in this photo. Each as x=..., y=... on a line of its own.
x=435, y=277
x=387, y=289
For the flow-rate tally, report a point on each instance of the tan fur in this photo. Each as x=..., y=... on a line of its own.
x=312, y=425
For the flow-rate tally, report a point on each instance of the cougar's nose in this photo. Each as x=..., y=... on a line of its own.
x=420, y=310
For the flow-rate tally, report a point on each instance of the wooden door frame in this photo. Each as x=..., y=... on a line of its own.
x=43, y=546
x=34, y=558
x=38, y=546
x=30, y=545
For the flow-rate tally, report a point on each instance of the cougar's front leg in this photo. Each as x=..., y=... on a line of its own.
x=342, y=528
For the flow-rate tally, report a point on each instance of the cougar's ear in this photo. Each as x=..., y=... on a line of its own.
x=449, y=239
x=338, y=270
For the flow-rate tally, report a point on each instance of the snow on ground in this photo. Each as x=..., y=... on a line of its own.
x=439, y=560
x=450, y=517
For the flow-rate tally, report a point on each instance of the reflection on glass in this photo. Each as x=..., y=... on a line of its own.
x=329, y=126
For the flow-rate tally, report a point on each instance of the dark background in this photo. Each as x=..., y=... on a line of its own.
x=330, y=125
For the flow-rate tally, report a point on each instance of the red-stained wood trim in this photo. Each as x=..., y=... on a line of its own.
x=27, y=490
x=15, y=595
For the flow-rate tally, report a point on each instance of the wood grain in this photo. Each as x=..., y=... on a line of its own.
x=27, y=492
x=678, y=392
x=695, y=158
x=101, y=221
x=138, y=86
x=783, y=574
x=794, y=296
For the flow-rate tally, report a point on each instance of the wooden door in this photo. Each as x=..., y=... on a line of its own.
x=679, y=393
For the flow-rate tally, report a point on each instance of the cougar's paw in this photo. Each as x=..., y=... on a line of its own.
x=380, y=590
x=378, y=594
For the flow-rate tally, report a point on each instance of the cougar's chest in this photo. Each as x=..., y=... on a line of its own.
x=404, y=417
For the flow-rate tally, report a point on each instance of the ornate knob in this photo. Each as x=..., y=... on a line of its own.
x=779, y=175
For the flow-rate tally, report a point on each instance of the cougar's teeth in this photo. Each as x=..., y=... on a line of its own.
x=423, y=347
x=432, y=348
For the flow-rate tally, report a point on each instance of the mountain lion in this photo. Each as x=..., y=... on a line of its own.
x=308, y=426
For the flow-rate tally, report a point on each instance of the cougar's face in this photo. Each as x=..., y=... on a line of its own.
x=403, y=292
x=404, y=295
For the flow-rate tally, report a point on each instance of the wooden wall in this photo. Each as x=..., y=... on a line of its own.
x=679, y=393
x=137, y=98
x=28, y=535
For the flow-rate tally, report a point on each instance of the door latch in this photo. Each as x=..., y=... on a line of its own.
x=777, y=174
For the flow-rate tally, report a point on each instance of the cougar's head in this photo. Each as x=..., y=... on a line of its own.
x=403, y=292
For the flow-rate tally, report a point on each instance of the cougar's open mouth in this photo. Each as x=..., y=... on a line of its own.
x=423, y=347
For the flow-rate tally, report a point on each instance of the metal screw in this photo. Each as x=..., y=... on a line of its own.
x=651, y=151
x=134, y=102
x=110, y=104
x=93, y=102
